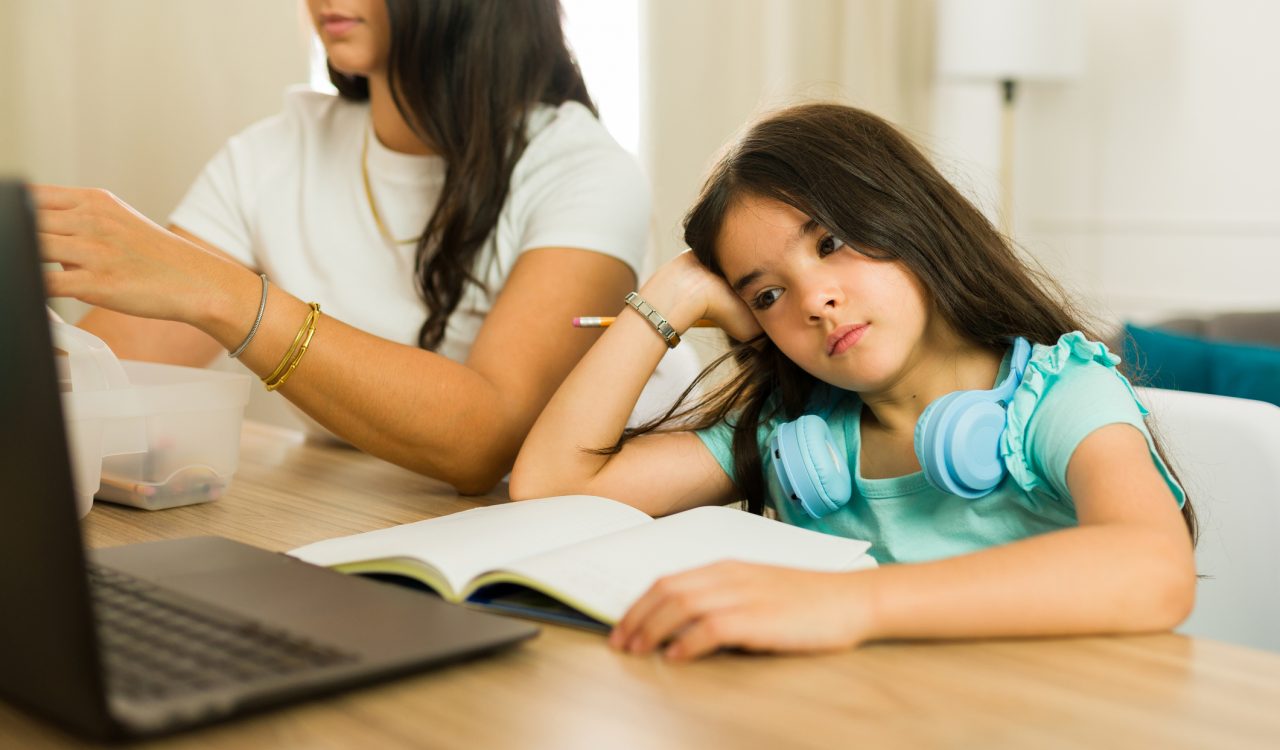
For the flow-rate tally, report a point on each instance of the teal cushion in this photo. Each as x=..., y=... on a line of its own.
x=1177, y=361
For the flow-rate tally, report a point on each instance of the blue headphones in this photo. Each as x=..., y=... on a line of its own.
x=957, y=440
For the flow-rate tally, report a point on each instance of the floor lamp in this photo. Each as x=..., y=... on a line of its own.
x=1008, y=42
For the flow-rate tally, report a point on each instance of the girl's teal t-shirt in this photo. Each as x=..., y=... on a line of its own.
x=1068, y=390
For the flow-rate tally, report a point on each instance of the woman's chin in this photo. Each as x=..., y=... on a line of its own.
x=349, y=64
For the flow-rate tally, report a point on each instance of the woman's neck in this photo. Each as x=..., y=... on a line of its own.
x=389, y=125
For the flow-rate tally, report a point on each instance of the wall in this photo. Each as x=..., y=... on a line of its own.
x=8, y=100
x=136, y=95
x=1150, y=184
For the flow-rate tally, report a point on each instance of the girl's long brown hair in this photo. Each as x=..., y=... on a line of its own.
x=866, y=183
x=465, y=75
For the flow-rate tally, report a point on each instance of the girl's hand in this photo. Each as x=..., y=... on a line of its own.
x=114, y=257
x=685, y=291
x=748, y=606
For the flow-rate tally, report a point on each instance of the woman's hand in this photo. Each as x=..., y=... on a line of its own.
x=747, y=606
x=116, y=258
x=685, y=291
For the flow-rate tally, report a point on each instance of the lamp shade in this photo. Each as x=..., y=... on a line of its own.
x=1020, y=40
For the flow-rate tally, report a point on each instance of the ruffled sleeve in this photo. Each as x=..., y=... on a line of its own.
x=1068, y=391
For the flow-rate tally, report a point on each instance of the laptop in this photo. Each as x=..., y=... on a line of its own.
x=152, y=638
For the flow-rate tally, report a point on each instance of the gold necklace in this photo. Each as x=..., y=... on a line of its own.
x=373, y=205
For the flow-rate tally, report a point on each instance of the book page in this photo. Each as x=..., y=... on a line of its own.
x=463, y=545
x=604, y=576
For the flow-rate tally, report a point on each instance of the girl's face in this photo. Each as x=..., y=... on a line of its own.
x=850, y=320
x=355, y=33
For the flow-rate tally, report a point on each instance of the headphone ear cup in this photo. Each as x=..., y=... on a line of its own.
x=957, y=441
x=929, y=449
x=809, y=467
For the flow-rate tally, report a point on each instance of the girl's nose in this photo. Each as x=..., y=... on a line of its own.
x=822, y=299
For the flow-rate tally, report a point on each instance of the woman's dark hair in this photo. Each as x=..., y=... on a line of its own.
x=466, y=74
x=866, y=183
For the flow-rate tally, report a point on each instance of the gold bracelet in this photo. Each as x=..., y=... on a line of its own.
x=288, y=355
x=298, y=348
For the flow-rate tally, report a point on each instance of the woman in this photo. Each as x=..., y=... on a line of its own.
x=450, y=212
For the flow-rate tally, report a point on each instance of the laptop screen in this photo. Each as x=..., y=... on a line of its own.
x=47, y=646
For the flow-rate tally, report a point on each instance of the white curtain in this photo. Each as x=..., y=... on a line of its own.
x=712, y=65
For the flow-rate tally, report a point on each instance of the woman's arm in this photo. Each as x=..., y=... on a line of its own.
x=657, y=473
x=460, y=422
x=1128, y=567
x=153, y=340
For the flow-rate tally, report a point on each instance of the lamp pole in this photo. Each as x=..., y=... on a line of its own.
x=1006, y=157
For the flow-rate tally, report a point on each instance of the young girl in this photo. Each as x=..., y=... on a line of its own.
x=458, y=195
x=878, y=290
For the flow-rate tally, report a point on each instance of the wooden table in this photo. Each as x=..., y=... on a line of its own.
x=566, y=689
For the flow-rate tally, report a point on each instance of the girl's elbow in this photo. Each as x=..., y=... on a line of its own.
x=521, y=485
x=1170, y=595
x=1179, y=598
x=528, y=484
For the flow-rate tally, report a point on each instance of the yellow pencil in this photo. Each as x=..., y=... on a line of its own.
x=606, y=321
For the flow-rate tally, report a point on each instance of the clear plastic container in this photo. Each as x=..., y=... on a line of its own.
x=149, y=435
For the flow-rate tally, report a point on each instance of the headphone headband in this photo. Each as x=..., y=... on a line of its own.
x=1017, y=364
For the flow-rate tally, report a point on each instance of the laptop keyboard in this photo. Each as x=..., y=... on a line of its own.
x=154, y=648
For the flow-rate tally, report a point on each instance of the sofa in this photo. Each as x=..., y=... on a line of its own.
x=1237, y=327
x=1228, y=354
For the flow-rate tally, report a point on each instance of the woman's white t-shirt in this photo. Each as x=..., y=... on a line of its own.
x=286, y=197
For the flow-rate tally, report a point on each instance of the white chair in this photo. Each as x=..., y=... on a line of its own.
x=1227, y=454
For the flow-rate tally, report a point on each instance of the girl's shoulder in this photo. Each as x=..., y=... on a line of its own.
x=1074, y=366
x=1071, y=353
x=1069, y=389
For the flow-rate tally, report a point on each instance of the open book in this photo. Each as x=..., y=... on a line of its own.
x=575, y=559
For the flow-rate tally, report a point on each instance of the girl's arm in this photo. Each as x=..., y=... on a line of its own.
x=657, y=473
x=460, y=422
x=1128, y=567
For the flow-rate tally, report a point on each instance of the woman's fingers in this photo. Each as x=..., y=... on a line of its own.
x=67, y=283
x=68, y=250
x=56, y=197
x=64, y=222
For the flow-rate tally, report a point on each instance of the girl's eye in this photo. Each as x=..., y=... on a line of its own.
x=765, y=298
x=829, y=245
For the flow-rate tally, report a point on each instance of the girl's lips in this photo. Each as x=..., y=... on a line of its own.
x=844, y=337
